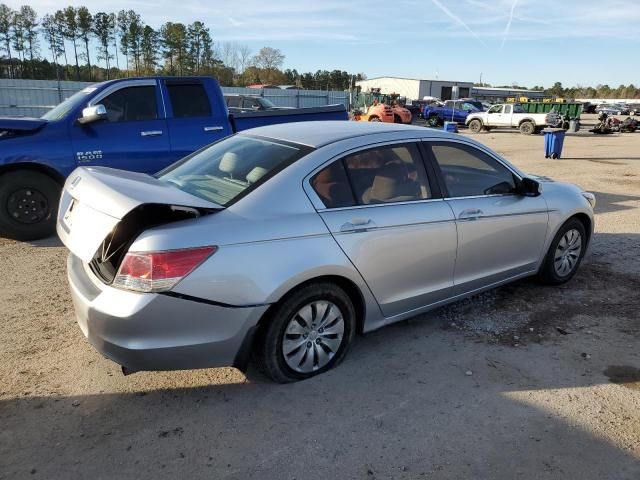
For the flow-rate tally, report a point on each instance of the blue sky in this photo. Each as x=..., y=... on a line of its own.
x=529, y=42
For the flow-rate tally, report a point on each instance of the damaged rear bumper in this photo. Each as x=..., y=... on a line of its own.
x=147, y=331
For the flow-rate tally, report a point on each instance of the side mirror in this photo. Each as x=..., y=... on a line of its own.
x=93, y=114
x=530, y=187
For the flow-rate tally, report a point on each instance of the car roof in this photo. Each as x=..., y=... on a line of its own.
x=319, y=133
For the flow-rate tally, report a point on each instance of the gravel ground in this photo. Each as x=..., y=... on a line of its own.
x=526, y=381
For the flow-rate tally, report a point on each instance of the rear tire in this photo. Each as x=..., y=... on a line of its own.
x=475, y=126
x=289, y=349
x=28, y=205
x=397, y=119
x=374, y=119
x=565, y=253
x=433, y=121
x=527, y=128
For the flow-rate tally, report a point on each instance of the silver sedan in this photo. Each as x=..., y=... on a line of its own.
x=281, y=243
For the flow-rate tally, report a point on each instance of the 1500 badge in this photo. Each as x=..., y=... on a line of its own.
x=89, y=156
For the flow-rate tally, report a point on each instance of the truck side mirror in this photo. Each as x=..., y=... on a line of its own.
x=93, y=114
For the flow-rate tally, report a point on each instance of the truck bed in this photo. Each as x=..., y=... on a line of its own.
x=247, y=120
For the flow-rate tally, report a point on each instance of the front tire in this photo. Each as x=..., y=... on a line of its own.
x=475, y=126
x=307, y=334
x=374, y=119
x=28, y=205
x=565, y=253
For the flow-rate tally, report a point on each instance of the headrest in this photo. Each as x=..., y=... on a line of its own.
x=229, y=162
x=256, y=174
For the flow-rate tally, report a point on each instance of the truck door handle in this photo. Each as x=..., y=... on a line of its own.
x=213, y=129
x=470, y=214
x=358, y=225
x=151, y=133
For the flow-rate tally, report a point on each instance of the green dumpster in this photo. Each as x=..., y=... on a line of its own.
x=573, y=110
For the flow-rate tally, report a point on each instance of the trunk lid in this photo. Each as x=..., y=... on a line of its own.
x=95, y=200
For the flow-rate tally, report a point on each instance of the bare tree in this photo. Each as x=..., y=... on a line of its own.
x=268, y=58
x=244, y=57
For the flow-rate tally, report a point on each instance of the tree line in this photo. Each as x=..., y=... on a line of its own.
x=75, y=44
x=599, y=91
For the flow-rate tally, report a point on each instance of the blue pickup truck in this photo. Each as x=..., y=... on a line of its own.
x=450, y=111
x=139, y=124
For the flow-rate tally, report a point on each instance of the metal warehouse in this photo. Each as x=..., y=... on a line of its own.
x=416, y=89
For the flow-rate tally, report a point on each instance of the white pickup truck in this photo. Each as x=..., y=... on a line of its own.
x=507, y=115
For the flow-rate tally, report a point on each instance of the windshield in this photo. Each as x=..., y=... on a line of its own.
x=60, y=110
x=231, y=168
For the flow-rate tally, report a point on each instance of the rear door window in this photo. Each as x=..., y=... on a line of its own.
x=332, y=186
x=388, y=174
x=189, y=100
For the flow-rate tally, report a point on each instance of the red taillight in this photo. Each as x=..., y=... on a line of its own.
x=159, y=271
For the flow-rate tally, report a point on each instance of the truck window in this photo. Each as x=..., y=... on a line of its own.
x=507, y=109
x=131, y=104
x=189, y=100
x=495, y=109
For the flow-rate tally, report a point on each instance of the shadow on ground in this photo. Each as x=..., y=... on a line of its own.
x=402, y=406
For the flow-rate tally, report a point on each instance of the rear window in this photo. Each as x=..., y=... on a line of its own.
x=189, y=100
x=231, y=168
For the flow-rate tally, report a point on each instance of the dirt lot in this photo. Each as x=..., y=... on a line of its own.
x=554, y=389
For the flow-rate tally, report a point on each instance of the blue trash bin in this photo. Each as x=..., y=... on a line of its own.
x=451, y=127
x=553, y=141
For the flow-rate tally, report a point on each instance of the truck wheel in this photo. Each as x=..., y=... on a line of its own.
x=475, y=126
x=527, y=128
x=28, y=205
x=374, y=119
x=433, y=121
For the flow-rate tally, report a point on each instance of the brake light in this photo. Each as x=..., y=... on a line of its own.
x=159, y=271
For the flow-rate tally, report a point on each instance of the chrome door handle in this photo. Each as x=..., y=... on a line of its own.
x=470, y=214
x=213, y=129
x=151, y=133
x=357, y=225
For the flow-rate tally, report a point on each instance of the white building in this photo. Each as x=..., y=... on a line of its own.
x=416, y=89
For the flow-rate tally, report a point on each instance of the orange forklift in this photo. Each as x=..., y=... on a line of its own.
x=373, y=106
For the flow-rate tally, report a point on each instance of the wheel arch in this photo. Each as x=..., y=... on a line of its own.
x=349, y=286
x=34, y=167
x=587, y=222
x=531, y=120
x=469, y=120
